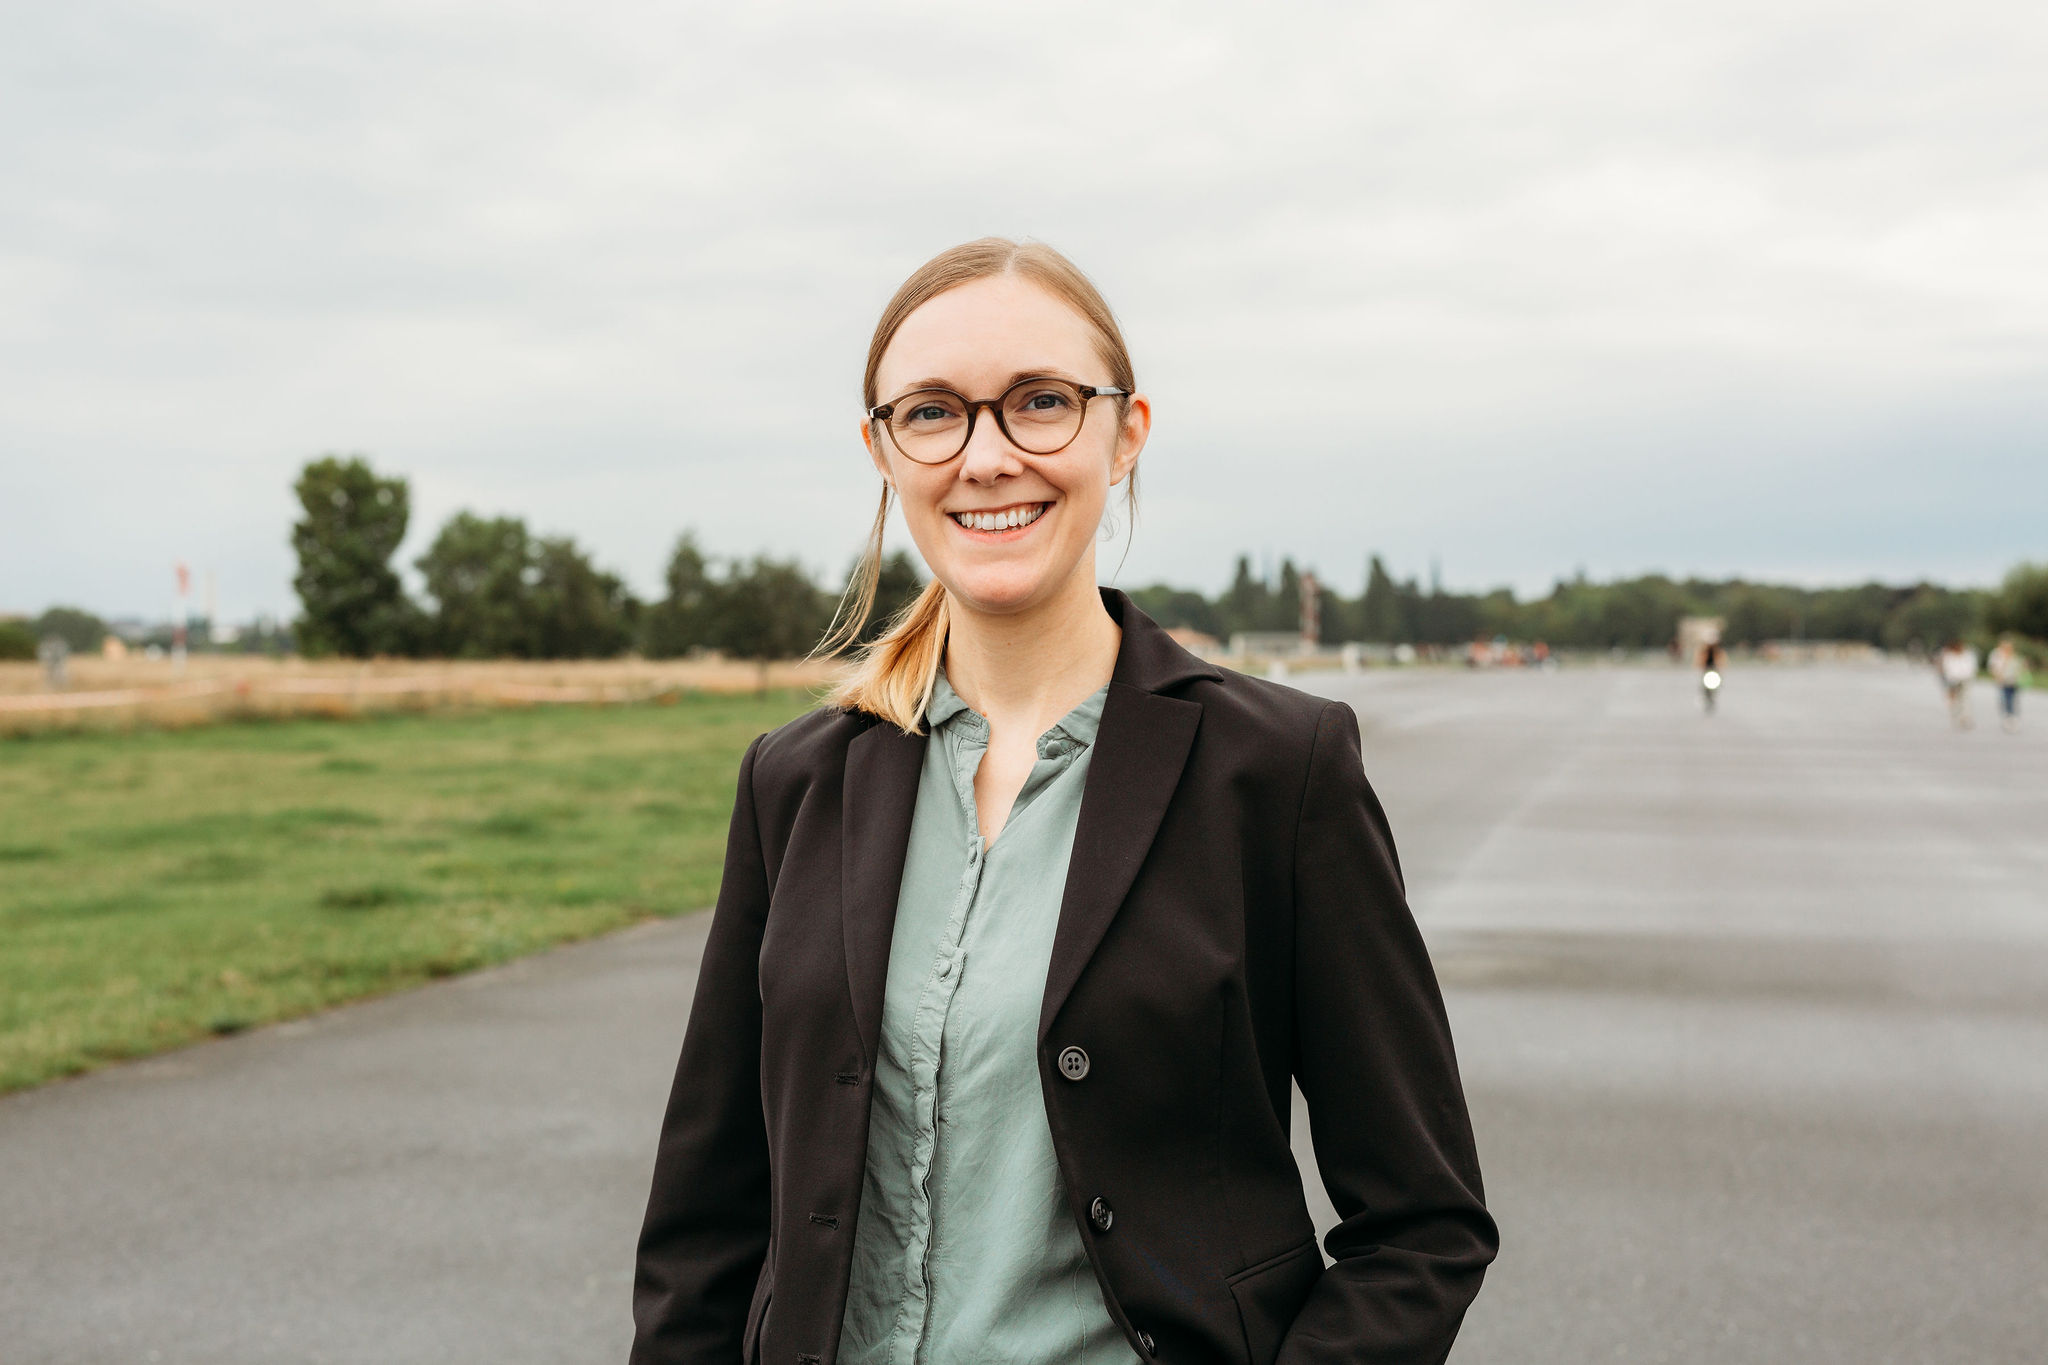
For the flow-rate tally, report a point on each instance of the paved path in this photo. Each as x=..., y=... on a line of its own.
x=1753, y=1013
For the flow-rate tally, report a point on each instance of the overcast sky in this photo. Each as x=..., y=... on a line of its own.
x=1753, y=288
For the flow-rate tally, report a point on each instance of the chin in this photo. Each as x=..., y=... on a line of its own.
x=997, y=592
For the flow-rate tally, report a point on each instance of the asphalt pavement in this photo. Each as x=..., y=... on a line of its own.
x=1752, y=1011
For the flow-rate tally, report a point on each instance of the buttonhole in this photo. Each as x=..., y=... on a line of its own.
x=824, y=1220
x=847, y=1077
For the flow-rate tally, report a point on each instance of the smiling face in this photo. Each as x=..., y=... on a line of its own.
x=1005, y=529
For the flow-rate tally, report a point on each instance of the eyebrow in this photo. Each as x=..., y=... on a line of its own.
x=1016, y=376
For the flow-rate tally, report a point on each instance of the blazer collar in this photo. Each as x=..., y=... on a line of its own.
x=1141, y=746
x=1149, y=658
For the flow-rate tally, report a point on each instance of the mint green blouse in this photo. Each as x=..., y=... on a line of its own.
x=965, y=1252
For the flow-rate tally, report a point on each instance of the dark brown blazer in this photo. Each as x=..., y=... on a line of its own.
x=1233, y=919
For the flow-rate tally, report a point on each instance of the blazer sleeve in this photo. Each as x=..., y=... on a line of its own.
x=705, y=1235
x=1374, y=1060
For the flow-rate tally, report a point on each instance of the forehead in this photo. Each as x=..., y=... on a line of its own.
x=976, y=336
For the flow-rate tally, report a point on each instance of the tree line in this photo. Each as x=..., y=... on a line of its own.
x=1634, y=613
x=497, y=590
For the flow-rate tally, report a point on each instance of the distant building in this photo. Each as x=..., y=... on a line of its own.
x=1269, y=642
x=1696, y=631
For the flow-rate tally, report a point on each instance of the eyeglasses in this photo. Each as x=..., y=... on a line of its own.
x=1041, y=416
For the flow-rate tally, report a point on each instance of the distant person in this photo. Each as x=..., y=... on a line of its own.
x=2007, y=670
x=1713, y=665
x=1958, y=667
x=979, y=1069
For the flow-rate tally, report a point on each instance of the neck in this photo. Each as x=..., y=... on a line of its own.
x=1029, y=668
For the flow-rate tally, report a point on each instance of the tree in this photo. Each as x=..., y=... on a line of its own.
x=478, y=573
x=683, y=620
x=2021, y=602
x=500, y=592
x=351, y=599
x=17, y=642
x=79, y=629
x=577, y=611
x=1285, y=607
x=769, y=609
x=1442, y=618
x=896, y=588
x=1380, y=613
x=1171, y=606
x=1245, y=602
x=1927, y=618
x=1849, y=613
x=897, y=585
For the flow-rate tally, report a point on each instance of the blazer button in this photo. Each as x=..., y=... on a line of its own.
x=1073, y=1063
x=1145, y=1340
x=1101, y=1214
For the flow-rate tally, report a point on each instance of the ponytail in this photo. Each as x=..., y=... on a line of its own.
x=894, y=676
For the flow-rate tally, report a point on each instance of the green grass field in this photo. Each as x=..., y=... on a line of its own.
x=161, y=886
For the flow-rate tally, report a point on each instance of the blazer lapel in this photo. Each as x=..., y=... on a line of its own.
x=878, y=799
x=1141, y=745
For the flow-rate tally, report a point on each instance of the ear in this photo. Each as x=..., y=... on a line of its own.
x=1131, y=438
x=875, y=455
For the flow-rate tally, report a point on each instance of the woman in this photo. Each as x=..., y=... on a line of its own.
x=2006, y=670
x=1023, y=936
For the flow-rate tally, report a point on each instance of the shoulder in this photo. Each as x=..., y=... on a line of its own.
x=801, y=748
x=1256, y=716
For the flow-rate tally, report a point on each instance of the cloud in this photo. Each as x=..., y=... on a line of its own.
x=1762, y=287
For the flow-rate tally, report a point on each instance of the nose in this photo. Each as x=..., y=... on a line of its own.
x=988, y=453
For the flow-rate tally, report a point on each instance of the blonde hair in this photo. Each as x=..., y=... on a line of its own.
x=893, y=676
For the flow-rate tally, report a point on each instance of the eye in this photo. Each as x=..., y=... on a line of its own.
x=1042, y=402
x=928, y=410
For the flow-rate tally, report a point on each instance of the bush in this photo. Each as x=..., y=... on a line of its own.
x=78, y=628
x=2021, y=603
x=17, y=641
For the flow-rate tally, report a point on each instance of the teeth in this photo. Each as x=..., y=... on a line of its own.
x=1000, y=521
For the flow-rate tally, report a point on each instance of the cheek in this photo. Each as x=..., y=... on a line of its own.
x=1087, y=483
x=917, y=492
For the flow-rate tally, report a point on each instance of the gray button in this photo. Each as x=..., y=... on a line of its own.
x=1145, y=1340
x=1101, y=1214
x=1073, y=1063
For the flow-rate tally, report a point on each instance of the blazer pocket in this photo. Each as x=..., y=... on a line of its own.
x=1270, y=1294
x=757, y=1313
